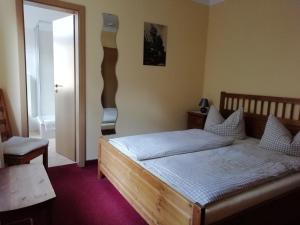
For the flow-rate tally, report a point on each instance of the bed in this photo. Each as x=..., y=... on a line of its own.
x=158, y=202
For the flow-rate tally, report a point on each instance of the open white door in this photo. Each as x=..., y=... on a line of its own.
x=64, y=80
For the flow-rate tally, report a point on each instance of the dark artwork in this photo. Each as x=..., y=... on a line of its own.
x=155, y=44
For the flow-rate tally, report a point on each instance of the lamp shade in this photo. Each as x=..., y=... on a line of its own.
x=204, y=103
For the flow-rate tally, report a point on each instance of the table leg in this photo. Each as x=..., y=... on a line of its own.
x=45, y=157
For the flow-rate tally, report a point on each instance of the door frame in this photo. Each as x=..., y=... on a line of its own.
x=80, y=69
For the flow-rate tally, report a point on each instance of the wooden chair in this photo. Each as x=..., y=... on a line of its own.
x=19, y=150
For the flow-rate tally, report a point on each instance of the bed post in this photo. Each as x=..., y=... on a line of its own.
x=198, y=217
x=203, y=213
x=222, y=101
x=100, y=174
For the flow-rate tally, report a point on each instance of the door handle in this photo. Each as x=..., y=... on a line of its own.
x=57, y=86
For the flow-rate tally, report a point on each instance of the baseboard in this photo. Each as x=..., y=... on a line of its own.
x=91, y=162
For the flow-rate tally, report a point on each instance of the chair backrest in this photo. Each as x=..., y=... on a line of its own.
x=5, y=128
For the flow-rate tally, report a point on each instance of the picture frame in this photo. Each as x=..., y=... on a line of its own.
x=155, y=44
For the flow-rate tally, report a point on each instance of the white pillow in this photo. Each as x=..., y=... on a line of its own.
x=233, y=126
x=277, y=137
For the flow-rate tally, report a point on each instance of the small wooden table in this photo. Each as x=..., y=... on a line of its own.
x=25, y=193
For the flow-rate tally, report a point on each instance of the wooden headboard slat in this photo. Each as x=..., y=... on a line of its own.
x=258, y=109
x=292, y=111
x=276, y=108
x=262, y=107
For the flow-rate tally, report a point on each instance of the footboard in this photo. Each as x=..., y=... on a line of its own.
x=153, y=199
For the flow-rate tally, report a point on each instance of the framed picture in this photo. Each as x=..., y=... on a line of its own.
x=155, y=44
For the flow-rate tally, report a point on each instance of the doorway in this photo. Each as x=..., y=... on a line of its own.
x=50, y=73
x=54, y=79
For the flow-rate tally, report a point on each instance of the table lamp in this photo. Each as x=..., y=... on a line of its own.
x=204, y=105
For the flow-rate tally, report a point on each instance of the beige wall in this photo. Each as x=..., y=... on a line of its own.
x=253, y=47
x=9, y=62
x=149, y=99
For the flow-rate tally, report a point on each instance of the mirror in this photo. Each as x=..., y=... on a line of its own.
x=108, y=70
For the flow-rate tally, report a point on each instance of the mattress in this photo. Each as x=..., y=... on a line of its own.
x=263, y=175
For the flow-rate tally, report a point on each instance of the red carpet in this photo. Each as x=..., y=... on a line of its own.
x=84, y=200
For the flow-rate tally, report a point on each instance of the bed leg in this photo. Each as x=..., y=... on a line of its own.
x=100, y=174
x=203, y=216
x=197, y=218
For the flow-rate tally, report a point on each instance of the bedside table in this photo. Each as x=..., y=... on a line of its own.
x=196, y=120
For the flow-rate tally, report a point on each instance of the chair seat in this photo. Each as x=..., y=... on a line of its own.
x=21, y=145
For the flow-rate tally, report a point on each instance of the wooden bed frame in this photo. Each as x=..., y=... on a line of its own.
x=157, y=202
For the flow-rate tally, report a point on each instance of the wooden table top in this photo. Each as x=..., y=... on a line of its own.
x=197, y=112
x=24, y=185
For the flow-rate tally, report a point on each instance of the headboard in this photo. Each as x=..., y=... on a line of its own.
x=257, y=108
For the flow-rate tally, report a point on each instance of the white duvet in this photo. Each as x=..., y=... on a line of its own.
x=156, y=145
x=208, y=176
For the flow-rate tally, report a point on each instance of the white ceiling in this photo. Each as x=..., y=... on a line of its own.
x=33, y=15
x=208, y=2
